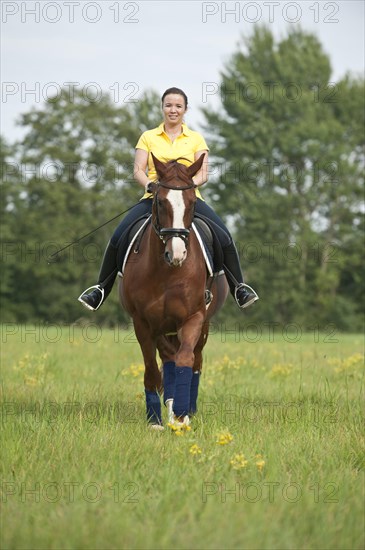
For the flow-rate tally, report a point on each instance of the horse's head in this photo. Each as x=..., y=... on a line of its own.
x=174, y=201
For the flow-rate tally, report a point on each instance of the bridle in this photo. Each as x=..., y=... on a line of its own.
x=167, y=233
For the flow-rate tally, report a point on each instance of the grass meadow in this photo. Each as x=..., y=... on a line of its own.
x=274, y=458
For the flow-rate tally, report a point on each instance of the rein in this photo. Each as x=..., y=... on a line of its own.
x=167, y=233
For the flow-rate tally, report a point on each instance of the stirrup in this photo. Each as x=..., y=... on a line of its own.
x=208, y=298
x=250, y=290
x=97, y=287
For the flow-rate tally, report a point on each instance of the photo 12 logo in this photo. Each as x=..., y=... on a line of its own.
x=91, y=92
x=69, y=492
x=270, y=12
x=270, y=491
x=70, y=12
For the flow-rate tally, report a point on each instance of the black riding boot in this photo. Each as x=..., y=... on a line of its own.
x=242, y=293
x=108, y=272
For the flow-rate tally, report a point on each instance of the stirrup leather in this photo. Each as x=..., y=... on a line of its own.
x=96, y=287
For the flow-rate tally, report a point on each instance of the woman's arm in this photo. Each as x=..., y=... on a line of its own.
x=201, y=176
x=140, y=166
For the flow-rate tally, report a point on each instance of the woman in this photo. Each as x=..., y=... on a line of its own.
x=169, y=141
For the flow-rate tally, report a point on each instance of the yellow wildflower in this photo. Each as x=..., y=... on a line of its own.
x=134, y=370
x=238, y=462
x=260, y=463
x=344, y=365
x=195, y=449
x=172, y=426
x=31, y=381
x=179, y=429
x=279, y=370
x=34, y=369
x=224, y=438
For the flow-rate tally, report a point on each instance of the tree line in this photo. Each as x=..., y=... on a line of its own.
x=286, y=174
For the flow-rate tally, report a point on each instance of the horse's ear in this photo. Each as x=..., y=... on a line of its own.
x=160, y=166
x=195, y=167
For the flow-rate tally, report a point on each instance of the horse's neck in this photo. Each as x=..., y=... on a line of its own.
x=155, y=249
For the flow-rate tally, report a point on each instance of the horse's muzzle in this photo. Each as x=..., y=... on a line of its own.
x=174, y=261
x=175, y=240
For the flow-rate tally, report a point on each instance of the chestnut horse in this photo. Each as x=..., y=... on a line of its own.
x=163, y=290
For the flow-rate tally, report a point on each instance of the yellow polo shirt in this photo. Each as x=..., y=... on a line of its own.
x=185, y=145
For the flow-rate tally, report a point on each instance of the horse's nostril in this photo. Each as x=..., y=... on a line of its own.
x=167, y=257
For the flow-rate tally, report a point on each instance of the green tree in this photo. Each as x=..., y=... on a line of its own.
x=73, y=172
x=288, y=143
x=9, y=212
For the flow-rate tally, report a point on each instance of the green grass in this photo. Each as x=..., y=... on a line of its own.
x=81, y=470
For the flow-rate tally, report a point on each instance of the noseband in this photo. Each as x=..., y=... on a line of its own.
x=167, y=233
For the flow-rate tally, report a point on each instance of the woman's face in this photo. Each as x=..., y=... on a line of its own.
x=173, y=108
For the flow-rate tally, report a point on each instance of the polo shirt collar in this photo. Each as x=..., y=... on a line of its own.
x=185, y=129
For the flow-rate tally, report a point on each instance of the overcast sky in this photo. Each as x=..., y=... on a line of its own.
x=126, y=47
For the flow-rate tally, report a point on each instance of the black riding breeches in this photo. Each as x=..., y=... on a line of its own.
x=142, y=208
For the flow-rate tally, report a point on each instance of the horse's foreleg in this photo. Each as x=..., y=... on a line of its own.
x=167, y=346
x=169, y=379
x=189, y=335
x=197, y=368
x=194, y=388
x=152, y=375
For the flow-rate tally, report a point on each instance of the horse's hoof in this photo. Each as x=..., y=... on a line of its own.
x=156, y=427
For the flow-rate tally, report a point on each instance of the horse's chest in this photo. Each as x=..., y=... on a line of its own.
x=168, y=307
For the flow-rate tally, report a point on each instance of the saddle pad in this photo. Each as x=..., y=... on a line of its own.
x=130, y=246
x=207, y=258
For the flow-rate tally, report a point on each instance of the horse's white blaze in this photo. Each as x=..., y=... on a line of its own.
x=178, y=249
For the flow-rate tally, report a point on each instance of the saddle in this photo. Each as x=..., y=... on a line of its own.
x=204, y=230
x=210, y=244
